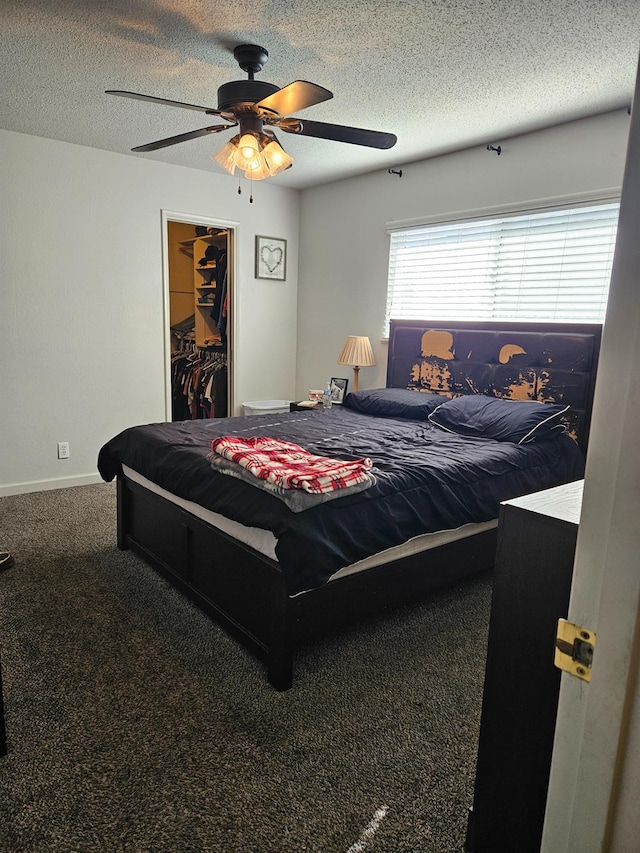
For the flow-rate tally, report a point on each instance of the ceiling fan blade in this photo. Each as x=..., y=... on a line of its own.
x=296, y=96
x=339, y=133
x=164, y=101
x=182, y=137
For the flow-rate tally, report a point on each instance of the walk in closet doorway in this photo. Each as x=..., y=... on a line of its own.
x=199, y=276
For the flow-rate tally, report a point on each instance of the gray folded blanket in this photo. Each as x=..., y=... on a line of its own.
x=296, y=499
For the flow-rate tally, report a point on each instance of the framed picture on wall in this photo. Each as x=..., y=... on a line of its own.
x=338, y=389
x=271, y=258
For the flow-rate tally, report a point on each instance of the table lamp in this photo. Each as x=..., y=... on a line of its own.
x=357, y=352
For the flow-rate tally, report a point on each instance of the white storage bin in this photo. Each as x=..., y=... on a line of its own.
x=265, y=407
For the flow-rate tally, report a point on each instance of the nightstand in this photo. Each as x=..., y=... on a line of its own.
x=296, y=407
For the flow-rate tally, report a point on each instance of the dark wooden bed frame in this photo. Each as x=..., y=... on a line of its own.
x=244, y=591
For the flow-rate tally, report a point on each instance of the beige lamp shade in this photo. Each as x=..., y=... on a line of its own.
x=357, y=352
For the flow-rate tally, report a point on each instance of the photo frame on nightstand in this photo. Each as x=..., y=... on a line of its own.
x=338, y=389
x=271, y=258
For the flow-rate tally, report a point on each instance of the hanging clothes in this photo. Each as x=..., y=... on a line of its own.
x=221, y=291
x=199, y=384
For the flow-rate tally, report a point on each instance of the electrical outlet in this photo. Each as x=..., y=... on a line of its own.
x=63, y=450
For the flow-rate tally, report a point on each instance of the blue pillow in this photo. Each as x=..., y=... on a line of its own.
x=518, y=421
x=393, y=403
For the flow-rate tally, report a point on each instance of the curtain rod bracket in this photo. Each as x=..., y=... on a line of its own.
x=397, y=172
x=498, y=150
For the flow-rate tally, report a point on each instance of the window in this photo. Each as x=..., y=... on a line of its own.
x=546, y=266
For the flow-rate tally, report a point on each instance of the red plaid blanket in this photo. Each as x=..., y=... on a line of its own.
x=290, y=466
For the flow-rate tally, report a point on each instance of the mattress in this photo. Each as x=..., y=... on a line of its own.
x=426, y=481
x=265, y=542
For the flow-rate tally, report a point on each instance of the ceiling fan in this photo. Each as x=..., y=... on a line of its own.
x=256, y=107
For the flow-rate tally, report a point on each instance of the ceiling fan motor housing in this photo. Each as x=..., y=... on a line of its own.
x=243, y=92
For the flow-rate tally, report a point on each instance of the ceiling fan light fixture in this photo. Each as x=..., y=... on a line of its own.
x=259, y=172
x=275, y=156
x=258, y=155
x=247, y=154
x=226, y=155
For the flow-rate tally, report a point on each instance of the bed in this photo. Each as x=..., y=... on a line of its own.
x=471, y=415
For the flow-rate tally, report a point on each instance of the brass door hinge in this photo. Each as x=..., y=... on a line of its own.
x=574, y=649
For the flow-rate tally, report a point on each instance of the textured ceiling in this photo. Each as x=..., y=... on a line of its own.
x=441, y=75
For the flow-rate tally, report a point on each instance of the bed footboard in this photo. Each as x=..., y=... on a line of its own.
x=244, y=591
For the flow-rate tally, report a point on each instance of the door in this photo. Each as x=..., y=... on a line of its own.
x=199, y=316
x=595, y=773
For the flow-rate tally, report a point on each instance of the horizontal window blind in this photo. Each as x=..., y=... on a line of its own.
x=548, y=266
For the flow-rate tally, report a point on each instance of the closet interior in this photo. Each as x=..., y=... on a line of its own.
x=199, y=306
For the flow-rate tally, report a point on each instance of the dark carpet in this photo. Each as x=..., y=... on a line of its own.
x=135, y=724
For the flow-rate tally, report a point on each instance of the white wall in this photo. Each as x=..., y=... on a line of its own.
x=344, y=244
x=81, y=299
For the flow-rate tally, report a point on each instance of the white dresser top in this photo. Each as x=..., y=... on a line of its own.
x=562, y=502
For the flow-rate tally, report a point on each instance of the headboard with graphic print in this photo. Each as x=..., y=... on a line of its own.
x=548, y=362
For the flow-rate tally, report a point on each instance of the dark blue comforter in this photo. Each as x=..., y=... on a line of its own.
x=426, y=480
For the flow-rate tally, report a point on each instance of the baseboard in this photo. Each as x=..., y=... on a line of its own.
x=48, y=485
